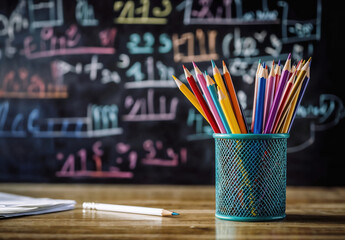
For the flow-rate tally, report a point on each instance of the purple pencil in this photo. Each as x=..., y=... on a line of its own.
x=303, y=88
x=269, y=94
x=282, y=82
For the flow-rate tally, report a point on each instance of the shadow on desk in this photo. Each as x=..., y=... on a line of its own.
x=324, y=219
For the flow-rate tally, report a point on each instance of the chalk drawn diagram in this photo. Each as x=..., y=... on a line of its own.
x=327, y=114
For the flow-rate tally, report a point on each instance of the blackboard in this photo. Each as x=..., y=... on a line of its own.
x=86, y=93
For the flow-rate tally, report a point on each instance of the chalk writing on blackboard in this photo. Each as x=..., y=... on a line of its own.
x=188, y=39
x=144, y=75
x=69, y=170
x=323, y=116
x=143, y=109
x=85, y=14
x=23, y=84
x=50, y=13
x=153, y=153
x=100, y=121
x=208, y=12
x=50, y=45
x=130, y=12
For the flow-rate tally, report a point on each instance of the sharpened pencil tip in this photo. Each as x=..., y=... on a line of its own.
x=174, y=77
x=175, y=213
x=213, y=64
x=194, y=65
x=289, y=57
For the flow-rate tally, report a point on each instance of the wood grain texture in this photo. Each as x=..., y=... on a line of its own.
x=312, y=213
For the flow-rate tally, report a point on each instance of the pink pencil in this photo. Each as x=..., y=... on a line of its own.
x=209, y=99
x=269, y=94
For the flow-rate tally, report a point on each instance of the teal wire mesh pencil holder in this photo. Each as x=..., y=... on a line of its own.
x=250, y=176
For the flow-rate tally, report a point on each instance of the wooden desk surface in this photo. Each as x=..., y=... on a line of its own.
x=312, y=213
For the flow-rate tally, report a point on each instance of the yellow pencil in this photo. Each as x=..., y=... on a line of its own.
x=229, y=112
x=219, y=80
x=190, y=96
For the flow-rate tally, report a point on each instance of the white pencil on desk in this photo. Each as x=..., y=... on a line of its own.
x=128, y=209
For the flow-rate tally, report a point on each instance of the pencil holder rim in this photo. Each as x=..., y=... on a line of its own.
x=250, y=136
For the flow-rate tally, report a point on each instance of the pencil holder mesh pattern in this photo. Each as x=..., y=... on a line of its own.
x=250, y=176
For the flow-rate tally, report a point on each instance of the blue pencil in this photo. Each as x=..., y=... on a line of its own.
x=211, y=88
x=259, y=109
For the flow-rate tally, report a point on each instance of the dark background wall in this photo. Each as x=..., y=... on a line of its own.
x=86, y=93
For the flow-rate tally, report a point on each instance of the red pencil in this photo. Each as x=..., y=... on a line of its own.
x=201, y=100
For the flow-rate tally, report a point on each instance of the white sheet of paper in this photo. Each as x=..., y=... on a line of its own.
x=12, y=205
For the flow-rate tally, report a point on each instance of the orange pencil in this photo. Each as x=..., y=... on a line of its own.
x=234, y=100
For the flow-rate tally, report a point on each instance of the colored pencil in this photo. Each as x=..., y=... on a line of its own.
x=277, y=78
x=201, y=100
x=190, y=96
x=202, y=83
x=282, y=82
x=295, y=87
x=286, y=93
x=218, y=78
x=255, y=94
x=128, y=209
x=269, y=94
x=229, y=113
x=212, y=89
x=299, y=99
x=284, y=122
x=259, y=109
x=233, y=99
x=220, y=83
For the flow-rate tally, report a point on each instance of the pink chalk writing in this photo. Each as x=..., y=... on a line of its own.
x=50, y=45
x=68, y=168
x=171, y=160
x=125, y=162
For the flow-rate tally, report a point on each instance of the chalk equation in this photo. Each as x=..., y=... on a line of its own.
x=143, y=109
x=24, y=84
x=100, y=121
x=133, y=12
x=93, y=165
x=50, y=45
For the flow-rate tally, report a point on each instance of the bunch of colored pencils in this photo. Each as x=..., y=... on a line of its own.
x=276, y=97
